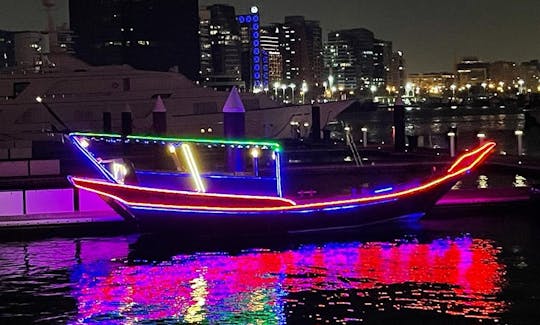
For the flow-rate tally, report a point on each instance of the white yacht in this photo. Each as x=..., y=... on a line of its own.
x=79, y=94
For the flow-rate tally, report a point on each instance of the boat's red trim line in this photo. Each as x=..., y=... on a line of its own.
x=130, y=194
x=182, y=200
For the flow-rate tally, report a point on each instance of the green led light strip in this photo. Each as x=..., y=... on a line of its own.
x=273, y=145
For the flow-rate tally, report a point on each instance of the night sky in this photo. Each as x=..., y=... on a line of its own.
x=431, y=33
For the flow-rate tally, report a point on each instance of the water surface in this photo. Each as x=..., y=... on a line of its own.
x=478, y=267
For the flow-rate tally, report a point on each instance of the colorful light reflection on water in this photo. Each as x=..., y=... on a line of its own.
x=460, y=277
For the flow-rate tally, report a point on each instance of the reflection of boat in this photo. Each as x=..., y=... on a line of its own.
x=458, y=277
x=244, y=194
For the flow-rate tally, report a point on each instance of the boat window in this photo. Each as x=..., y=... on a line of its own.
x=154, y=96
x=19, y=87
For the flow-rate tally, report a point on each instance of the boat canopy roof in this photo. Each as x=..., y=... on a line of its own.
x=263, y=144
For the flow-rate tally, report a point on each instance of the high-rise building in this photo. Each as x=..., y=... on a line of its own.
x=205, y=45
x=146, y=34
x=340, y=63
x=270, y=45
x=7, y=49
x=382, y=60
x=301, y=48
x=360, y=43
x=315, y=50
x=221, y=54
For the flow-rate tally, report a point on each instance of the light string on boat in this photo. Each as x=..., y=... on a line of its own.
x=192, y=165
x=480, y=154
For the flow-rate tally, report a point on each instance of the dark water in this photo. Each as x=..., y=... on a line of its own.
x=453, y=267
x=433, y=124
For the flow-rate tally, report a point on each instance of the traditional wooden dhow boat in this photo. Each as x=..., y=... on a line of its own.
x=224, y=185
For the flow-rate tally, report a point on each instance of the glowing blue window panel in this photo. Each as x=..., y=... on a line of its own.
x=241, y=19
x=255, y=18
x=256, y=51
x=255, y=34
x=255, y=26
x=256, y=59
x=248, y=19
x=256, y=67
x=256, y=42
x=257, y=75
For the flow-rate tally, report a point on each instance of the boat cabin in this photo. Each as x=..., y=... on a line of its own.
x=187, y=164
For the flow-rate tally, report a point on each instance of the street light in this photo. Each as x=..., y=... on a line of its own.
x=373, y=89
x=293, y=86
x=408, y=88
x=276, y=86
x=330, y=80
x=453, y=87
x=283, y=87
x=521, y=82
x=304, y=90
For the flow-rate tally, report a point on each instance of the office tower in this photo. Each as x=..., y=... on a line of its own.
x=221, y=63
x=147, y=34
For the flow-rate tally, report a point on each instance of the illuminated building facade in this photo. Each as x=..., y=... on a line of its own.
x=146, y=34
x=433, y=82
x=301, y=48
x=359, y=43
x=356, y=62
x=340, y=61
x=255, y=60
x=471, y=71
x=221, y=63
x=270, y=44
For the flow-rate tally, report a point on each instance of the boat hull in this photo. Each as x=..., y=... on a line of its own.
x=227, y=223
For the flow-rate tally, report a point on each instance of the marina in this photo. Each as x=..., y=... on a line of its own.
x=189, y=162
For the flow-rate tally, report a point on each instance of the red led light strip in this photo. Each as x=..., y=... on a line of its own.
x=468, y=156
x=269, y=204
x=156, y=197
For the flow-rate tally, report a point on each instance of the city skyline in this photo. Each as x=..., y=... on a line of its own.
x=433, y=38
